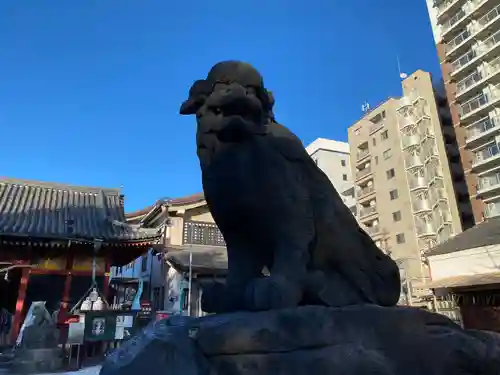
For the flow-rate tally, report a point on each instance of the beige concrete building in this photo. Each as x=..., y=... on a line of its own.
x=187, y=227
x=467, y=36
x=408, y=180
x=333, y=158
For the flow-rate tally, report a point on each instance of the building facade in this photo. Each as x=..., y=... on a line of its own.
x=467, y=36
x=466, y=278
x=333, y=158
x=408, y=180
x=59, y=240
x=186, y=226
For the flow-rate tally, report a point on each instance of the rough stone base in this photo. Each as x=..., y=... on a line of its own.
x=309, y=340
x=36, y=361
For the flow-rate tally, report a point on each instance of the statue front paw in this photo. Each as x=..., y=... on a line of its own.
x=215, y=299
x=272, y=292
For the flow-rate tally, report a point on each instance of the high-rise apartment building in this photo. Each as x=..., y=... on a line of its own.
x=467, y=36
x=407, y=175
x=333, y=158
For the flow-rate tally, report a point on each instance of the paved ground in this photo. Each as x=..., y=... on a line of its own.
x=93, y=370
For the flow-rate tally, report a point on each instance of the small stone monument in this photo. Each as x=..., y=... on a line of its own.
x=328, y=305
x=37, y=351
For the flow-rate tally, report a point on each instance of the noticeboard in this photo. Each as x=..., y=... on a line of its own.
x=100, y=326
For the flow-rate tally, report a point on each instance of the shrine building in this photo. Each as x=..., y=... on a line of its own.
x=56, y=240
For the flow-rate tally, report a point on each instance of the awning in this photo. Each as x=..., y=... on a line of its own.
x=465, y=280
x=211, y=260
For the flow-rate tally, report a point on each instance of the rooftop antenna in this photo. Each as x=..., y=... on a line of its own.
x=365, y=107
x=401, y=75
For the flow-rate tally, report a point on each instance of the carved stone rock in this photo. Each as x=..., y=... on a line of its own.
x=312, y=339
x=38, y=351
x=276, y=208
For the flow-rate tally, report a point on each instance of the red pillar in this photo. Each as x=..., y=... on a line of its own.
x=67, y=288
x=21, y=296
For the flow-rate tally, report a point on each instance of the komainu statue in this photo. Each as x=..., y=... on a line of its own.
x=307, y=290
x=276, y=208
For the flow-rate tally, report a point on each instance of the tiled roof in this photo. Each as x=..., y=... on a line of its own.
x=50, y=210
x=190, y=199
x=484, y=234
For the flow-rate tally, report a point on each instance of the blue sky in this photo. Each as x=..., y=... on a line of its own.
x=90, y=89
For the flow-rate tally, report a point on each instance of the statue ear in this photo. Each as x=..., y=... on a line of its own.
x=267, y=99
x=271, y=98
x=197, y=95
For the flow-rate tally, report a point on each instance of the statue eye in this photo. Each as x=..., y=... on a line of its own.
x=221, y=85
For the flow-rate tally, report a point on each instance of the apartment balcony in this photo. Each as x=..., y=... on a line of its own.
x=365, y=172
x=489, y=184
x=437, y=195
x=474, y=31
x=417, y=183
x=425, y=229
x=486, y=158
x=448, y=7
x=365, y=193
x=405, y=101
x=413, y=161
x=445, y=232
x=405, y=121
x=460, y=40
x=492, y=209
x=464, y=60
x=366, y=212
x=488, y=49
x=468, y=83
x=457, y=21
x=421, y=206
x=478, y=107
x=408, y=141
x=373, y=230
x=375, y=126
x=481, y=131
x=483, y=76
x=362, y=154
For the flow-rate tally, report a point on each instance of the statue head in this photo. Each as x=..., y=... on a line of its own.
x=232, y=101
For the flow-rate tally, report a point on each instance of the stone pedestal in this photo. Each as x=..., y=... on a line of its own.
x=38, y=352
x=309, y=340
x=36, y=361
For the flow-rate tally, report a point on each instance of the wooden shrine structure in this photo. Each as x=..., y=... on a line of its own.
x=56, y=240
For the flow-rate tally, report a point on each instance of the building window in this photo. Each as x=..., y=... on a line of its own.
x=202, y=233
x=384, y=135
x=387, y=154
x=374, y=141
x=390, y=173
x=393, y=194
x=344, y=177
x=396, y=216
x=342, y=163
x=376, y=160
x=400, y=238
